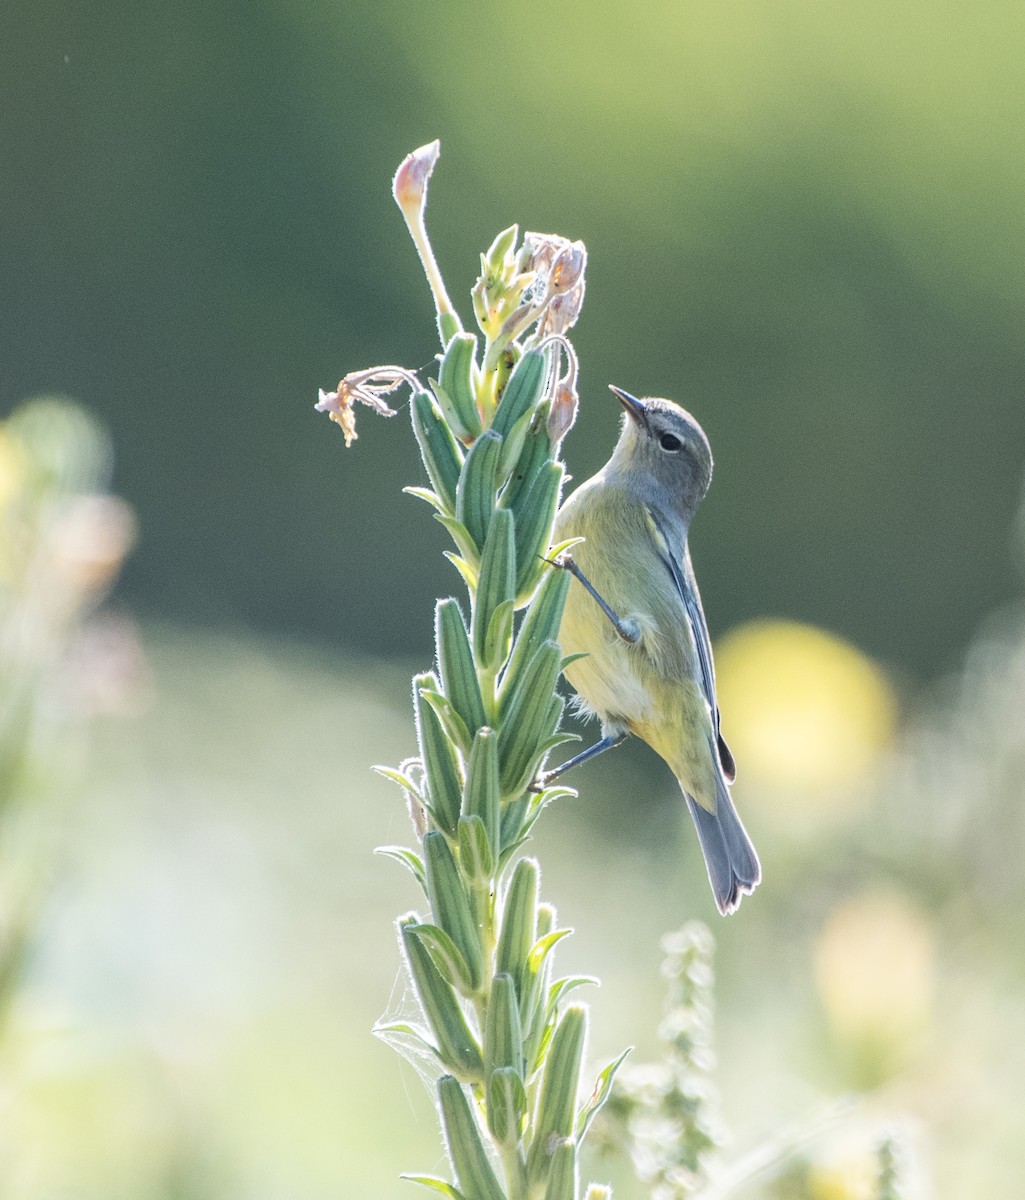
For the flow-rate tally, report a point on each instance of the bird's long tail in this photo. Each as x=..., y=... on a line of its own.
x=733, y=867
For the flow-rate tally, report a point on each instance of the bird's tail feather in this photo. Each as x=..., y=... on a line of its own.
x=733, y=867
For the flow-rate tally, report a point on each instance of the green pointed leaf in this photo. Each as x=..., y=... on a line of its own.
x=543, y=947
x=562, y=987
x=445, y=955
x=435, y=1185
x=401, y=1030
x=602, y=1089
x=560, y=548
x=474, y=1174
x=451, y=906
x=538, y=1039
x=452, y=723
x=457, y=1047
x=534, y=988
x=464, y=542
x=498, y=641
x=408, y=859
x=432, y=498
x=536, y=452
x=467, y=570
x=513, y=816
x=406, y=782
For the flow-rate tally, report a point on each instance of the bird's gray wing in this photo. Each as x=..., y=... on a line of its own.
x=682, y=574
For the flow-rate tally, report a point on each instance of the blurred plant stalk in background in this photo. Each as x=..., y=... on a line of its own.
x=493, y=1021
x=62, y=542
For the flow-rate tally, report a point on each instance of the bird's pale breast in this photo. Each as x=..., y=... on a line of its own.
x=651, y=688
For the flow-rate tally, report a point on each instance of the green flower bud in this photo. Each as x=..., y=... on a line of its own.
x=441, y=456
x=455, y=662
x=440, y=770
x=476, y=858
x=451, y=907
x=493, y=611
x=521, y=393
x=562, y=1174
x=519, y=923
x=457, y=396
x=457, y=1047
x=474, y=1174
x=534, y=513
x=503, y=1041
x=540, y=625
x=507, y=1106
x=556, y=1110
x=481, y=794
x=527, y=723
x=475, y=492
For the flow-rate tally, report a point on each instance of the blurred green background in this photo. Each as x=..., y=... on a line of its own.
x=804, y=222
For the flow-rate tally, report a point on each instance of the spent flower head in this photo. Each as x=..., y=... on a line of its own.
x=368, y=387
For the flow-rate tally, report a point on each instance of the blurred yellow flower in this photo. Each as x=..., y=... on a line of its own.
x=849, y=1179
x=805, y=713
x=875, y=966
x=12, y=468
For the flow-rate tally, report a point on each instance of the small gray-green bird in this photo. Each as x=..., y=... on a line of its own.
x=648, y=666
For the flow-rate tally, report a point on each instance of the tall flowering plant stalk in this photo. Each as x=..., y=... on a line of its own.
x=493, y=1015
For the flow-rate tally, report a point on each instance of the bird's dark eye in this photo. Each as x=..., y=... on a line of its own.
x=669, y=441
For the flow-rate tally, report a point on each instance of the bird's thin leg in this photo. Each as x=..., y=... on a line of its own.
x=627, y=629
x=606, y=743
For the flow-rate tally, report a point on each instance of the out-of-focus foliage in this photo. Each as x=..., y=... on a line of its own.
x=804, y=220
x=196, y=1019
x=62, y=541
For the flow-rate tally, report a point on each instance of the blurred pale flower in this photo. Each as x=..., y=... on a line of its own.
x=91, y=539
x=805, y=712
x=109, y=669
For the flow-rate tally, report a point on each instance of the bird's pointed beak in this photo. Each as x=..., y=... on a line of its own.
x=631, y=404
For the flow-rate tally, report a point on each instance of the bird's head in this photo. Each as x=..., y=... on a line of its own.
x=664, y=453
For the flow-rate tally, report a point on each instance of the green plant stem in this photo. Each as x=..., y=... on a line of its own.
x=515, y=1174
